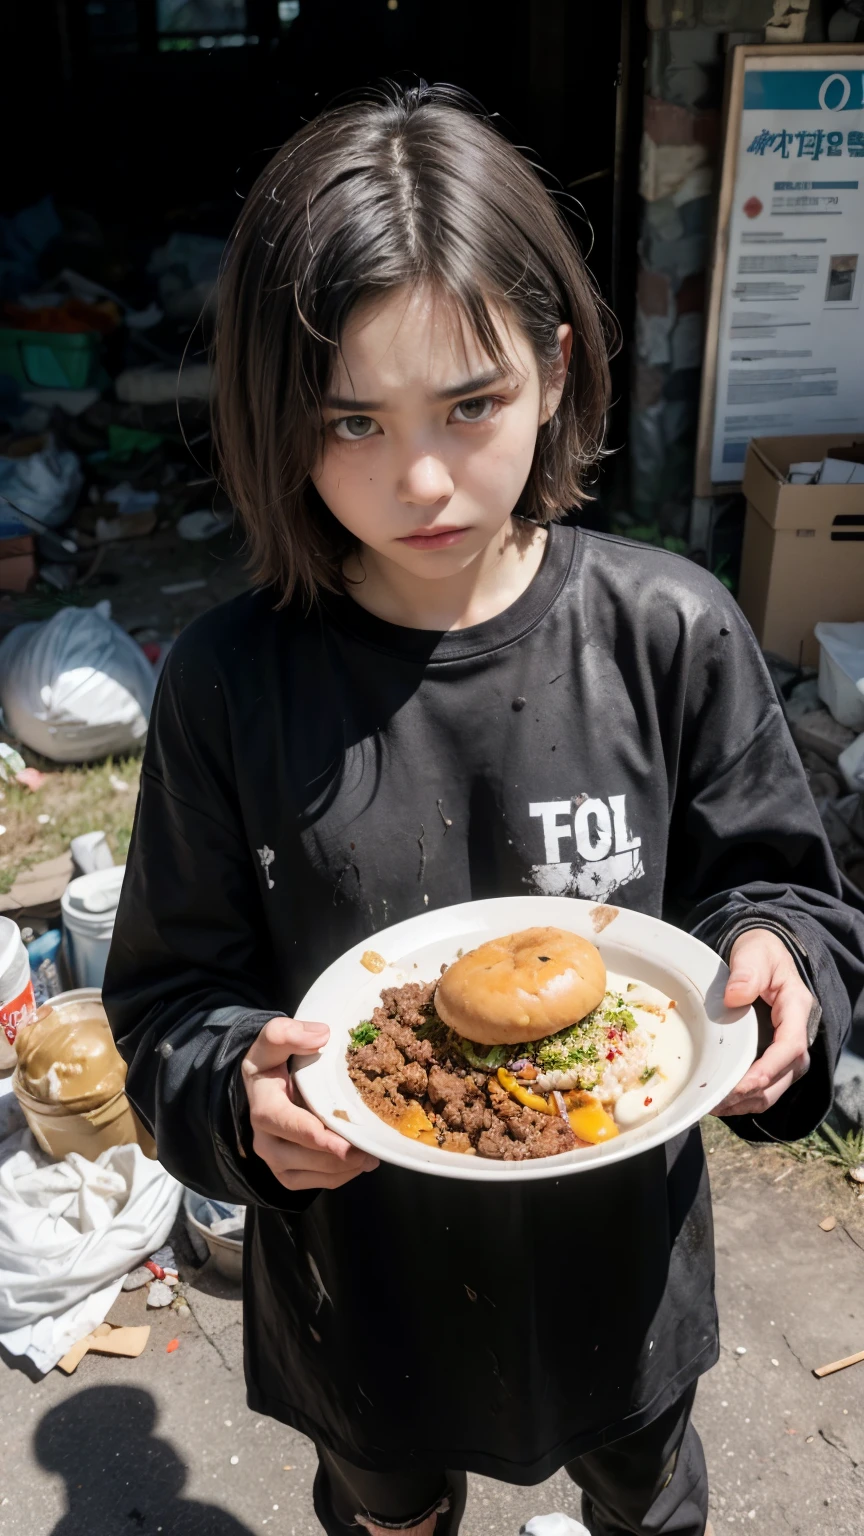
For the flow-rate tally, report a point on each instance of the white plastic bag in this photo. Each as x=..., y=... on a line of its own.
x=45, y=484
x=76, y=687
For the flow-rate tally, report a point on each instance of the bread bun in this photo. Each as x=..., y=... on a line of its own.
x=521, y=987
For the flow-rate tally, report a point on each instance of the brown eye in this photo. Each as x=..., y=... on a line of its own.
x=475, y=410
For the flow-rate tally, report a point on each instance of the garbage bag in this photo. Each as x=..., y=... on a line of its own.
x=45, y=484
x=77, y=687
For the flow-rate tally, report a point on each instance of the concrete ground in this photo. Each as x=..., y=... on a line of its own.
x=166, y=1442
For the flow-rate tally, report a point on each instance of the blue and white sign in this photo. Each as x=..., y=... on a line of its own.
x=790, y=355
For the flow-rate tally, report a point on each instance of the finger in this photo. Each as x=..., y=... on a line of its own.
x=790, y=1017
x=275, y=1115
x=318, y=1180
x=282, y=1156
x=281, y=1038
x=756, y=1103
x=751, y=965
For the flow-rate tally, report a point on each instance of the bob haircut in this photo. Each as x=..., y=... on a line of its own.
x=403, y=188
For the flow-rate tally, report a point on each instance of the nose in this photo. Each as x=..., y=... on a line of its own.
x=425, y=481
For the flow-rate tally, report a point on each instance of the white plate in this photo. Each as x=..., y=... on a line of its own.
x=725, y=1040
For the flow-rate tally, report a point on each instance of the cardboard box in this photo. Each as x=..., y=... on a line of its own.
x=803, y=556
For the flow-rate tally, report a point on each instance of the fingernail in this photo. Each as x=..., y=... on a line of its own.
x=312, y=1029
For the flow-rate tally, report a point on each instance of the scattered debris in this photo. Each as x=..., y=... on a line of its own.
x=11, y=763
x=372, y=961
x=106, y=1340
x=195, y=527
x=176, y=588
x=31, y=778
x=740, y=1350
x=171, y=1346
x=159, y=1294
x=117, y=783
x=839, y=1365
x=137, y=1277
x=828, y=1224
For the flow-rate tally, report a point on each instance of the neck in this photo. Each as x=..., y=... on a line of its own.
x=490, y=583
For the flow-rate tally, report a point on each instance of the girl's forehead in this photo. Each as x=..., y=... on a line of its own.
x=418, y=337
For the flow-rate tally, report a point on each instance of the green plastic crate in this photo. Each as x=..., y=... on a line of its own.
x=49, y=359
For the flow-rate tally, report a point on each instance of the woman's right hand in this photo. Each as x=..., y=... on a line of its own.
x=296, y=1146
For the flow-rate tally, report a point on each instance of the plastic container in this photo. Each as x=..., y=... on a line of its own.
x=841, y=671
x=226, y=1252
x=100, y=1116
x=89, y=906
x=49, y=359
x=16, y=989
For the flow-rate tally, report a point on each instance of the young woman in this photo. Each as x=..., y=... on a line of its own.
x=438, y=693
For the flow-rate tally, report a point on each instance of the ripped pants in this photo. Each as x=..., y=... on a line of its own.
x=651, y=1483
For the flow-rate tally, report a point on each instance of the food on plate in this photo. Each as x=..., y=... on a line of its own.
x=522, y=987
x=582, y=1082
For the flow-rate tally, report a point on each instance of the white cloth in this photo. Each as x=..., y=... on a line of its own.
x=70, y=1232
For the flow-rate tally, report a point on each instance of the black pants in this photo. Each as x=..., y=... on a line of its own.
x=653, y=1483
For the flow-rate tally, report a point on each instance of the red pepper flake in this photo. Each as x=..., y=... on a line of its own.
x=648, y=1101
x=610, y=1055
x=171, y=1346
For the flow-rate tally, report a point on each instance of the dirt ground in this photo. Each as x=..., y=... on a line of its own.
x=166, y=1443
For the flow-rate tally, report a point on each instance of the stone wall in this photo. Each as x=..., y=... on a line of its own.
x=687, y=50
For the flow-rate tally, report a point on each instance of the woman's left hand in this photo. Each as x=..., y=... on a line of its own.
x=761, y=966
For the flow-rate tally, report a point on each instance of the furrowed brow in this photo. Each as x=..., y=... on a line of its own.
x=471, y=386
x=347, y=403
x=452, y=392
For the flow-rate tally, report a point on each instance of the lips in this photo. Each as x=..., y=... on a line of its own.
x=433, y=538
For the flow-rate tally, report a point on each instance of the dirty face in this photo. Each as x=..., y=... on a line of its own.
x=426, y=443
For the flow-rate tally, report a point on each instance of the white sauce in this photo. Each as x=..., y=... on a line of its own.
x=669, y=1049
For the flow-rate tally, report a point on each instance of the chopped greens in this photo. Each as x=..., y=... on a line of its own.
x=646, y=1076
x=365, y=1033
x=495, y=1057
x=619, y=1016
x=573, y=1047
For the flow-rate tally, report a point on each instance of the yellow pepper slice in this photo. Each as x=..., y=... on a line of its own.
x=591, y=1122
x=524, y=1095
x=415, y=1123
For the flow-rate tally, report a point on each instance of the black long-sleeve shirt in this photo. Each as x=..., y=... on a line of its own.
x=310, y=777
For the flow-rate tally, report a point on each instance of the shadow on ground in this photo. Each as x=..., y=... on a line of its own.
x=120, y=1476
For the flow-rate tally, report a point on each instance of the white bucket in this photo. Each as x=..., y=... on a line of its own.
x=89, y=906
x=16, y=989
x=841, y=672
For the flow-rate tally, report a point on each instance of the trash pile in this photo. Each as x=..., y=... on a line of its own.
x=86, y=1210
x=92, y=372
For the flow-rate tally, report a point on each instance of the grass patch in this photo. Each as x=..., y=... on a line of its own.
x=77, y=798
x=846, y=1152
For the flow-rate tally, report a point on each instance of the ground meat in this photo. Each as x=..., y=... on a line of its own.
x=413, y=1079
x=469, y=1110
x=380, y=1058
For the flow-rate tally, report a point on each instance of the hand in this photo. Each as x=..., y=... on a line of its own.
x=296, y=1146
x=761, y=966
